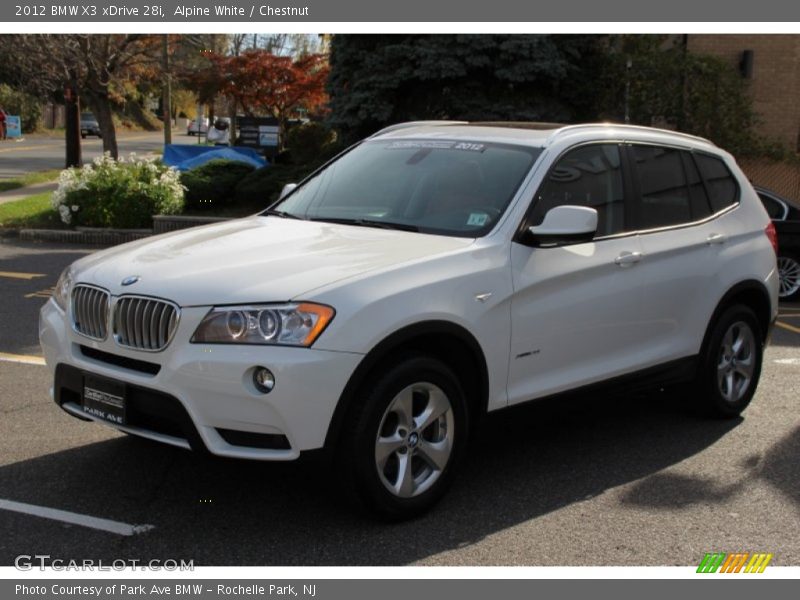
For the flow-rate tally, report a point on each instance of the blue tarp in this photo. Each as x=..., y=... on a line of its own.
x=184, y=157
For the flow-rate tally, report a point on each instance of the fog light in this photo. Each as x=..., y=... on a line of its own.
x=264, y=380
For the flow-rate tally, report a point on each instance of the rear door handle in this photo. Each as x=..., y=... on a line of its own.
x=626, y=259
x=716, y=238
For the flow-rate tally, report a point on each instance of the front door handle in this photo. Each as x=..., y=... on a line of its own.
x=716, y=238
x=626, y=259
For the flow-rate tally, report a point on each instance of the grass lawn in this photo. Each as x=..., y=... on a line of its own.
x=34, y=211
x=29, y=179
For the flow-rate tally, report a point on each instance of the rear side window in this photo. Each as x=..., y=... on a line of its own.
x=587, y=176
x=663, y=187
x=698, y=196
x=721, y=185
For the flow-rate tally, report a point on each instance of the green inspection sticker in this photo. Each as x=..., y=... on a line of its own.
x=477, y=219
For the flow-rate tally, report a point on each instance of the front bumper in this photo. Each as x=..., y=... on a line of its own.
x=202, y=395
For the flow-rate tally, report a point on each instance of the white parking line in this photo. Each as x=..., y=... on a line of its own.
x=74, y=518
x=24, y=359
x=787, y=361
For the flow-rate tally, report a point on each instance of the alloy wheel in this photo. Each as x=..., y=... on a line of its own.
x=736, y=365
x=788, y=275
x=415, y=439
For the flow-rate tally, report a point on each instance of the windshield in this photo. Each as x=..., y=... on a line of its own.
x=445, y=187
x=87, y=117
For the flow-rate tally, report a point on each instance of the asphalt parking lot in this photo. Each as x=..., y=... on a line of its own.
x=626, y=480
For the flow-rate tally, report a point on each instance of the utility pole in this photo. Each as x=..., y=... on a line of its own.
x=167, y=94
x=72, y=105
x=628, y=66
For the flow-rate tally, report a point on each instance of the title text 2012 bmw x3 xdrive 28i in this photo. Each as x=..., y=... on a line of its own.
x=432, y=272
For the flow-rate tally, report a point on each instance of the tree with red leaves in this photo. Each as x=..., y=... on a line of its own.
x=264, y=83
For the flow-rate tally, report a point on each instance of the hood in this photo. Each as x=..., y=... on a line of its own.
x=257, y=259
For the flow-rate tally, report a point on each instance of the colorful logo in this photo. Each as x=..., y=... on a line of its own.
x=737, y=562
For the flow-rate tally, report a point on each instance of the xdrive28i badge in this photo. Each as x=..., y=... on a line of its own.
x=130, y=280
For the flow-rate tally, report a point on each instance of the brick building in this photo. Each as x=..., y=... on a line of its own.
x=771, y=63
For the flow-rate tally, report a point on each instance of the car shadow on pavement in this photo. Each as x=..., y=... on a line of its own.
x=525, y=463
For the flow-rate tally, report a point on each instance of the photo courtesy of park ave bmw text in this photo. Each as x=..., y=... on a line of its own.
x=508, y=292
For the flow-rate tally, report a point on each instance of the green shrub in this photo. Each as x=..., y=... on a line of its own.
x=117, y=193
x=28, y=108
x=213, y=184
x=263, y=186
x=310, y=142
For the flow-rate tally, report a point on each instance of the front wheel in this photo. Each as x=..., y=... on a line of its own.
x=407, y=435
x=730, y=366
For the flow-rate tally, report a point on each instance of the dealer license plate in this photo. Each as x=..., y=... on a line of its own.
x=104, y=399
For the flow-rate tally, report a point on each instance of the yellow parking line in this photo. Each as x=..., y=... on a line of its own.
x=15, y=275
x=24, y=148
x=25, y=359
x=787, y=327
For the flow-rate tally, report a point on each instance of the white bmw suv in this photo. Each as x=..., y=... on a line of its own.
x=431, y=273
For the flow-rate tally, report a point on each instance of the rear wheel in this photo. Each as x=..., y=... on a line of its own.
x=731, y=363
x=789, y=277
x=406, y=438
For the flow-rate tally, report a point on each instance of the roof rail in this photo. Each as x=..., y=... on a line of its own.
x=535, y=125
x=408, y=124
x=570, y=128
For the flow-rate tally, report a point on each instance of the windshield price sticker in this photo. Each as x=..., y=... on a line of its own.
x=468, y=146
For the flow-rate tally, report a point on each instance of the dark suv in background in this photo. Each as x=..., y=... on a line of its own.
x=89, y=125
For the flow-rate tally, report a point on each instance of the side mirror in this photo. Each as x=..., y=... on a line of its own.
x=565, y=225
x=286, y=190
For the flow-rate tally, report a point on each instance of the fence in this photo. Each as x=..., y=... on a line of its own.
x=53, y=116
x=780, y=177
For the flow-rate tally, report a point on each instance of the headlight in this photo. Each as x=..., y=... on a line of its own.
x=296, y=324
x=63, y=288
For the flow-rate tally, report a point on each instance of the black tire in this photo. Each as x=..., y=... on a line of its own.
x=711, y=382
x=788, y=272
x=357, y=460
x=83, y=137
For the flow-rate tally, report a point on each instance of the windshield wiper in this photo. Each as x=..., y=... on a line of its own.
x=282, y=213
x=368, y=223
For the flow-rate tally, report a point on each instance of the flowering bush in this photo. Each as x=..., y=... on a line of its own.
x=118, y=193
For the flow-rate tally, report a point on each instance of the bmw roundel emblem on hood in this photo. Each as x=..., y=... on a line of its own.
x=130, y=280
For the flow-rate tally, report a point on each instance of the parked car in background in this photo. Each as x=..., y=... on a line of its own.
x=89, y=126
x=431, y=273
x=785, y=214
x=198, y=126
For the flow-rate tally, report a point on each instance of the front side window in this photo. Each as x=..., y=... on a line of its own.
x=458, y=188
x=586, y=176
